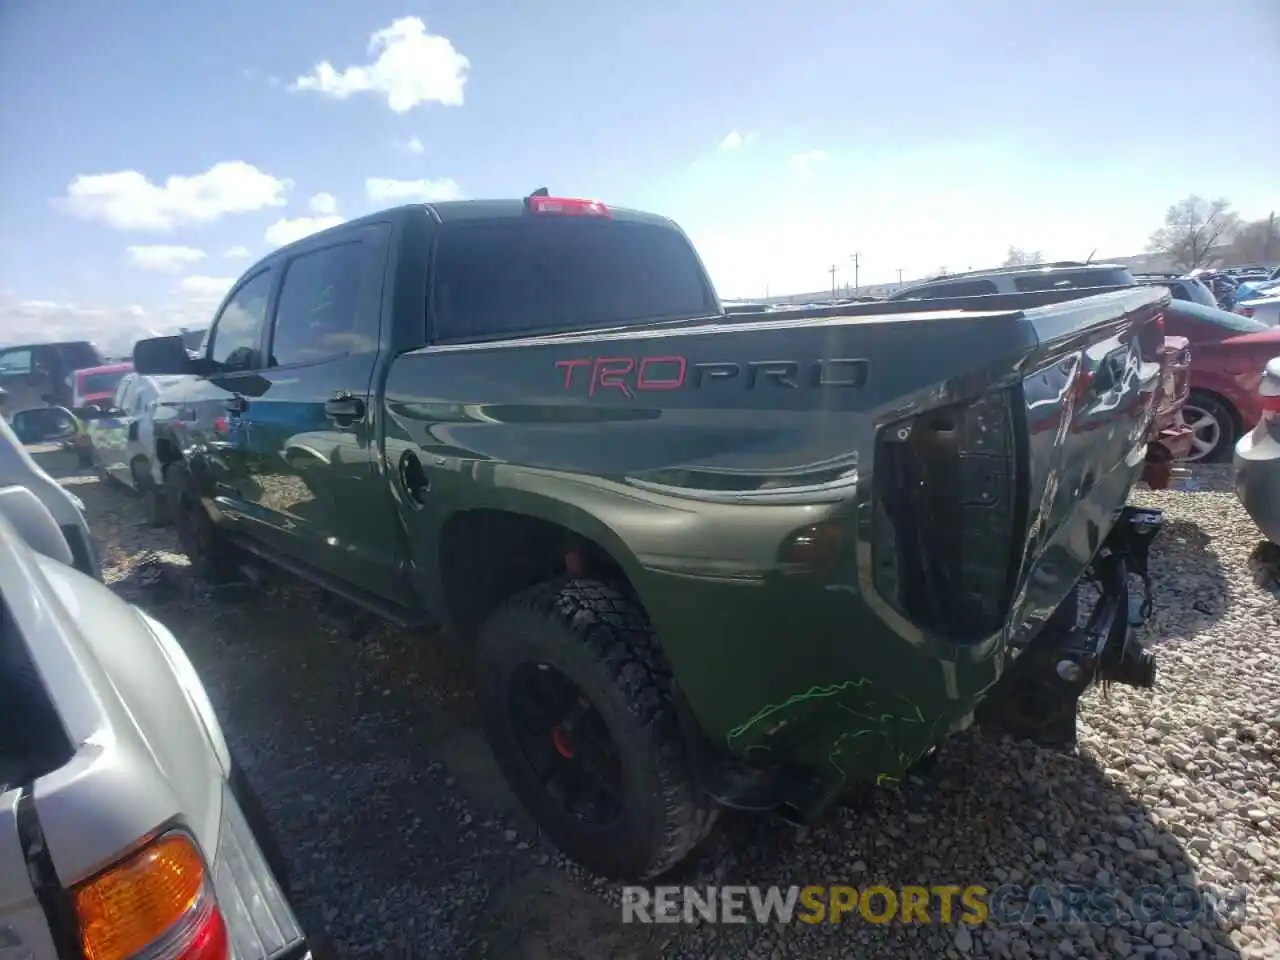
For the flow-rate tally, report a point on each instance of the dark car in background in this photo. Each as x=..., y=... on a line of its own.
x=1228, y=354
x=36, y=374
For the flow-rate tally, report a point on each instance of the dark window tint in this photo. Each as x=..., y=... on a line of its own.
x=318, y=306
x=506, y=277
x=235, y=331
x=100, y=382
x=77, y=356
x=958, y=288
x=1066, y=279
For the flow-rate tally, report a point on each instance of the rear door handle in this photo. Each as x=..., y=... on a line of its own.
x=344, y=406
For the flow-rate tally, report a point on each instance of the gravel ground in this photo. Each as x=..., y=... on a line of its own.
x=404, y=842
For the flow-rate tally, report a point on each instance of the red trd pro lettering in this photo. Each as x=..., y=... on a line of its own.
x=632, y=375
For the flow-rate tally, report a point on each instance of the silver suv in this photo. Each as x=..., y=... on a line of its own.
x=1063, y=275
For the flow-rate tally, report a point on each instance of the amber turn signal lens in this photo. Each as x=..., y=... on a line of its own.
x=814, y=546
x=141, y=899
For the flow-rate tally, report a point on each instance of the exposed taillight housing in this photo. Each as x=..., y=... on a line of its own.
x=567, y=207
x=157, y=902
x=947, y=519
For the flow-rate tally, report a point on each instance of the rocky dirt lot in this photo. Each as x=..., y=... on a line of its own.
x=403, y=841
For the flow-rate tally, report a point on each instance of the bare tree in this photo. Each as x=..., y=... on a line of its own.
x=1195, y=231
x=1018, y=257
x=1256, y=242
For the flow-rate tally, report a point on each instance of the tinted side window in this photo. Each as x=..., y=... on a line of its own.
x=511, y=276
x=319, y=304
x=235, y=331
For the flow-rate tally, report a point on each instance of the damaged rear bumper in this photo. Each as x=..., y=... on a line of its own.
x=1037, y=697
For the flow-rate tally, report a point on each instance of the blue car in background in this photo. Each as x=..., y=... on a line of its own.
x=1254, y=289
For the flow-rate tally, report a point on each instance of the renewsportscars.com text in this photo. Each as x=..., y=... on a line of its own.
x=940, y=903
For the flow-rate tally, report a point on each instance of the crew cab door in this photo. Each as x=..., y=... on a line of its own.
x=318, y=498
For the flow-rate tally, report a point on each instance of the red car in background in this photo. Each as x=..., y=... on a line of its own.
x=96, y=386
x=1228, y=355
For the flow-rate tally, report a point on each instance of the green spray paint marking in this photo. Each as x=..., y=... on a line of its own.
x=813, y=693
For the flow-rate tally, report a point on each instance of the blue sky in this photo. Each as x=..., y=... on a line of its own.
x=783, y=137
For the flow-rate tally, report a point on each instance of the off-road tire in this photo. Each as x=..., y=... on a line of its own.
x=84, y=458
x=598, y=636
x=214, y=559
x=155, y=505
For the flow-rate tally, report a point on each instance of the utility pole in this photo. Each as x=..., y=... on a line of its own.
x=899, y=276
x=1271, y=236
x=855, y=257
x=832, y=270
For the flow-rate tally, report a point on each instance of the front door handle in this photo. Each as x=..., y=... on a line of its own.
x=343, y=406
x=237, y=404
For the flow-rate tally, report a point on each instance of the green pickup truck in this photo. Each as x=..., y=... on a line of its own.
x=701, y=560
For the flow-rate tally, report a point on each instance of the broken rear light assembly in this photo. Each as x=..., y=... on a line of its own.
x=947, y=521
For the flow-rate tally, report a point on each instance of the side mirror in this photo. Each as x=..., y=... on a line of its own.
x=44, y=425
x=162, y=355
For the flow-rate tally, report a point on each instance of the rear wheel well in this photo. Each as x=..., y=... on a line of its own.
x=167, y=452
x=486, y=556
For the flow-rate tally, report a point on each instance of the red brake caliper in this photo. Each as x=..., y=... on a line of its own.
x=560, y=740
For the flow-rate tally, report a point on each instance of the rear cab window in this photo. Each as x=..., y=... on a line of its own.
x=516, y=276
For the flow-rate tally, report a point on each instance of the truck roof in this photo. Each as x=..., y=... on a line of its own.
x=451, y=211
x=457, y=211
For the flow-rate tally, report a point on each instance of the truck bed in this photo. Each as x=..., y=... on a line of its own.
x=1026, y=429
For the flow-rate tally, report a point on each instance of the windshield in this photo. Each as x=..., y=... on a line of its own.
x=96, y=383
x=1220, y=318
x=508, y=277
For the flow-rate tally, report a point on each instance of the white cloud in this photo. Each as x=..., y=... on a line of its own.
x=385, y=190
x=127, y=200
x=114, y=329
x=805, y=162
x=164, y=257
x=285, y=231
x=324, y=204
x=237, y=253
x=415, y=145
x=410, y=67
x=204, y=288
x=735, y=141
